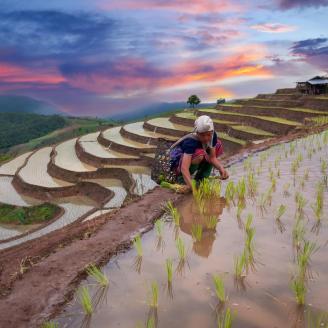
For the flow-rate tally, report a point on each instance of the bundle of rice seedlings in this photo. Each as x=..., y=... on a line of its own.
x=225, y=319
x=85, y=300
x=138, y=245
x=153, y=301
x=173, y=212
x=219, y=288
x=169, y=269
x=97, y=275
x=197, y=232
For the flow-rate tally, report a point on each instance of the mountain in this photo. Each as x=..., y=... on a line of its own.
x=24, y=104
x=153, y=110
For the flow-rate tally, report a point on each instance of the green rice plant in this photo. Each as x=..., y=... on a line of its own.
x=241, y=189
x=230, y=192
x=169, y=269
x=324, y=165
x=173, y=212
x=85, y=300
x=252, y=185
x=300, y=203
x=286, y=189
x=281, y=211
x=159, y=226
x=304, y=255
x=181, y=248
x=317, y=321
x=318, y=205
x=153, y=299
x=278, y=173
x=299, y=288
x=137, y=243
x=97, y=275
x=239, y=265
x=273, y=183
x=219, y=288
x=211, y=222
x=249, y=241
x=225, y=319
x=50, y=324
x=240, y=207
x=197, y=232
x=298, y=233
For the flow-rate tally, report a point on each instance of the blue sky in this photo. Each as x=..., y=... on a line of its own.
x=103, y=57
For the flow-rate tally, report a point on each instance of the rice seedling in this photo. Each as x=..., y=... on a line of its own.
x=306, y=174
x=252, y=185
x=137, y=243
x=304, y=255
x=211, y=222
x=240, y=207
x=197, y=232
x=298, y=233
x=153, y=295
x=219, y=288
x=318, y=205
x=85, y=300
x=299, y=289
x=300, y=203
x=50, y=324
x=173, y=212
x=241, y=189
x=230, y=192
x=97, y=275
x=324, y=165
x=286, y=189
x=181, y=248
x=273, y=183
x=239, y=265
x=281, y=211
x=225, y=319
x=169, y=269
x=317, y=321
x=278, y=173
x=249, y=241
x=159, y=226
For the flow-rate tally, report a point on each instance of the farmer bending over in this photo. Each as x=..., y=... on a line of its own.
x=197, y=153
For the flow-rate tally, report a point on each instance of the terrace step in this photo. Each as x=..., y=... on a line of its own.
x=271, y=124
x=294, y=114
x=233, y=129
x=113, y=139
x=136, y=132
x=165, y=124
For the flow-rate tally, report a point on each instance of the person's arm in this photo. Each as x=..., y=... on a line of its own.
x=217, y=164
x=185, y=165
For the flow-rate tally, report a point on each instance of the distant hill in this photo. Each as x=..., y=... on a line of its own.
x=154, y=109
x=24, y=104
x=18, y=128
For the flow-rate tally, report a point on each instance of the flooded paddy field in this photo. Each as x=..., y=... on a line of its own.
x=253, y=247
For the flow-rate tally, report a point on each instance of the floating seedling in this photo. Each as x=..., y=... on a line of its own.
x=197, y=232
x=173, y=212
x=85, y=300
x=219, y=288
x=97, y=275
x=225, y=319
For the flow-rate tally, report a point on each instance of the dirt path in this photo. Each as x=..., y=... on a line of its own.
x=38, y=277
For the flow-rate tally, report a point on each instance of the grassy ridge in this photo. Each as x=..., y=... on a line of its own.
x=27, y=215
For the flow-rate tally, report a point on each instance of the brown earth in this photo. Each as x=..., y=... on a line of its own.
x=52, y=266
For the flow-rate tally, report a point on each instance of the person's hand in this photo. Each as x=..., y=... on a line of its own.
x=224, y=174
x=183, y=189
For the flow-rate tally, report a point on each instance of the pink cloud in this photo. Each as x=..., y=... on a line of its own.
x=274, y=28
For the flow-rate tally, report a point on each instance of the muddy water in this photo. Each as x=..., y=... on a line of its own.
x=263, y=298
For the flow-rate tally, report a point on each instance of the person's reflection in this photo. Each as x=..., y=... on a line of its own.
x=191, y=215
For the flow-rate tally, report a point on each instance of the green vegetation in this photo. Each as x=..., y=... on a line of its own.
x=169, y=270
x=18, y=128
x=27, y=215
x=219, y=288
x=252, y=130
x=173, y=212
x=225, y=319
x=153, y=299
x=5, y=158
x=97, y=275
x=138, y=245
x=240, y=265
x=159, y=226
x=50, y=324
x=299, y=289
x=85, y=300
x=197, y=232
x=181, y=248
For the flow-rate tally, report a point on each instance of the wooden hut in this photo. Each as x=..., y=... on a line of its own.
x=316, y=86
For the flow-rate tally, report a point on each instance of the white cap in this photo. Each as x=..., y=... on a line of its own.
x=204, y=124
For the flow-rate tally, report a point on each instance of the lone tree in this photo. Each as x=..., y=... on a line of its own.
x=193, y=100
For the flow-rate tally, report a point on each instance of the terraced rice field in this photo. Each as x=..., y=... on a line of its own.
x=11, y=167
x=66, y=158
x=113, y=135
x=138, y=129
x=251, y=129
x=166, y=123
x=35, y=170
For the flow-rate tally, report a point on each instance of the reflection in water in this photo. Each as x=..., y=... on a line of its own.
x=190, y=215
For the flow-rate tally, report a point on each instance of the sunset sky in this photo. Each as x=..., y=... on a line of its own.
x=102, y=57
